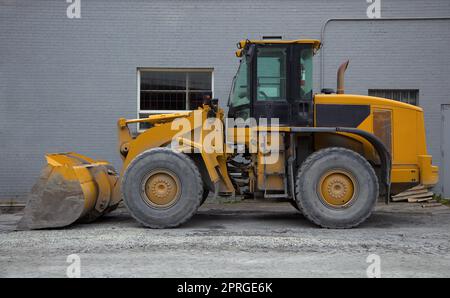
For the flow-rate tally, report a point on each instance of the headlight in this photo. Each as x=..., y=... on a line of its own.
x=241, y=44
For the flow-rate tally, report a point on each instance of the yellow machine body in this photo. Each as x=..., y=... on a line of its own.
x=390, y=135
x=401, y=128
x=72, y=187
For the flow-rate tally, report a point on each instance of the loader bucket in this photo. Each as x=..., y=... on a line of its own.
x=71, y=188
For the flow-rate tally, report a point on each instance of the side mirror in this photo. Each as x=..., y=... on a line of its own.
x=212, y=102
x=215, y=102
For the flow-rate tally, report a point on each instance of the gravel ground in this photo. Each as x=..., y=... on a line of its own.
x=247, y=239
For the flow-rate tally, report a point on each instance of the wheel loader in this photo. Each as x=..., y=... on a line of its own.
x=331, y=155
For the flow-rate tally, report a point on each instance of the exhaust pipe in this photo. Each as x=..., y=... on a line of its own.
x=340, y=77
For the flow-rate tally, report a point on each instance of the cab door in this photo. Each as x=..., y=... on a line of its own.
x=301, y=85
x=270, y=83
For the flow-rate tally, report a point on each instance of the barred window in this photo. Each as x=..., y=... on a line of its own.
x=172, y=90
x=410, y=96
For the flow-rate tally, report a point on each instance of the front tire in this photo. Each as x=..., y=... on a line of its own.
x=162, y=188
x=336, y=188
x=204, y=195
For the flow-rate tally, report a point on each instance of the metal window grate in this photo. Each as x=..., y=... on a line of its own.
x=410, y=96
x=172, y=89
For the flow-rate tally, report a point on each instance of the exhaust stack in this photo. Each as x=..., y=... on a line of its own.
x=340, y=77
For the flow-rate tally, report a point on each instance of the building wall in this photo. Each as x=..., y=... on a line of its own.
x=64, y=82
x=396, y=55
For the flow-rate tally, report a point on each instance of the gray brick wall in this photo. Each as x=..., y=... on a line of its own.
x=64, y=82
x=396, y=55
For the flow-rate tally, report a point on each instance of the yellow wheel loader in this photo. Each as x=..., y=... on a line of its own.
x=331, y=155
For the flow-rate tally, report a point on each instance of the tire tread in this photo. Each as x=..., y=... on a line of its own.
x=197, y=178
x=307, y=164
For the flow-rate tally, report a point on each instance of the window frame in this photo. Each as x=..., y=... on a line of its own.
x=286, y=74
x=186, y=91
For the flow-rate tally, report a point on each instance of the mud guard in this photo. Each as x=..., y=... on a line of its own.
x=383, y=153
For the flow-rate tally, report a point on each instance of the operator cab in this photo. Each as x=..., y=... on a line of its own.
x=274, y=80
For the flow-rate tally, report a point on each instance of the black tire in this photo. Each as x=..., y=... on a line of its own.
x=204, y=195
x=311, y=202
x=181, y=167
x=294, y=204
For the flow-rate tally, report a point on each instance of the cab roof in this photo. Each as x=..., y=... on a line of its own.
x=242, y=45
x=315, y=43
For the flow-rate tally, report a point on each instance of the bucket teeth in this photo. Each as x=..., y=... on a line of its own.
x=71, y=188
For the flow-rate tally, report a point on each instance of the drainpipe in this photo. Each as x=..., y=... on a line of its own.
x=324, y=27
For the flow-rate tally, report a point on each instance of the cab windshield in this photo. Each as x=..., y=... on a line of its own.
x=240, y=94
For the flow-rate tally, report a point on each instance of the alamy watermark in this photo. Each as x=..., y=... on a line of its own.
x=374, y=9
x=195, y=135
x=374, y=269
x=74, y=9
x=74, y=268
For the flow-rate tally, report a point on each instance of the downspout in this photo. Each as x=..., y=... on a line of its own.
x=324, y=26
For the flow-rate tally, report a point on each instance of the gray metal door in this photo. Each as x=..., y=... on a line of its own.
x=445, y=149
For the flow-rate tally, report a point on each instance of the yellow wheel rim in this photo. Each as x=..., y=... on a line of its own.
x=161, y=188
x=337, y=188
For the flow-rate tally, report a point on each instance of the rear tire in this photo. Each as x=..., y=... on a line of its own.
x=336, y=188
x=162, y=188
x=294, y=204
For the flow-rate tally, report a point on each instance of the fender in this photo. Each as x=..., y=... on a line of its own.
x=383, y=153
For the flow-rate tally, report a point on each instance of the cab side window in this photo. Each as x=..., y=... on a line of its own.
x=271, y=73
x=306, y=74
